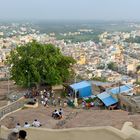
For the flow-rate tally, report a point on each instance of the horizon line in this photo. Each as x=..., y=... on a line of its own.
x=69, y=20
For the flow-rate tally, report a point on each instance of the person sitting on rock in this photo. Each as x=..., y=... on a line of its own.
x=26, y=125
x=36, y=123
x=55, y=114
x=60, y=116
x=61, y=110
x=18, y=126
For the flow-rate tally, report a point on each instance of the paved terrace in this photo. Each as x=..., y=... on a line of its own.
x=94, y=133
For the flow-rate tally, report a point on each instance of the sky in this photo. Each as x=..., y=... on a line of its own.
x=70, y=9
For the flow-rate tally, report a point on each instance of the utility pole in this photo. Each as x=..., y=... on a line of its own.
x=75, y=91
x=8, y=85
x=75, y=79
x=7, y=76
x=119, y=88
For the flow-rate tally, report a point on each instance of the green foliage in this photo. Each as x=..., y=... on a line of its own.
x=80, y=38
x=101, y=79
x=133, y=40
x=36, y=63
x=138, y=83
x=112, y=66
x=89, y=100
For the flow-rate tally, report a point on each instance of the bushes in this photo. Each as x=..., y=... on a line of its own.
x=89, y=100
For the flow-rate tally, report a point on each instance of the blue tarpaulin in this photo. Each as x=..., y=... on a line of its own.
x=83, y=87
x=107, y=99
x=121, y=89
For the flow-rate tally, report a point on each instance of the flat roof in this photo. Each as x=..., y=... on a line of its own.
x=121, y=89
x=80, y=85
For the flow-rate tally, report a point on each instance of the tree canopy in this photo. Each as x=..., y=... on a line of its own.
x=112, y=66
x=36, y=63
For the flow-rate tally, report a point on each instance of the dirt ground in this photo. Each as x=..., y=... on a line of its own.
x=91, y=118
x=72, y=118
x=43, y=114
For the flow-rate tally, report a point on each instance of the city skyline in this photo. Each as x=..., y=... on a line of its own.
x=70, y=10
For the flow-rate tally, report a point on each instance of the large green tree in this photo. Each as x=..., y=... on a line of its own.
x=36, y=63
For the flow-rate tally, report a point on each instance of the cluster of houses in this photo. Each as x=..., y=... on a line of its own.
x=92, y=58
x=89, y=55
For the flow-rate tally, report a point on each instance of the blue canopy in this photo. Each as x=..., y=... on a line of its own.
x=107, y=99
x=83, y=87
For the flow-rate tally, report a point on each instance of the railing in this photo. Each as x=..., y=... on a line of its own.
x=12, y=107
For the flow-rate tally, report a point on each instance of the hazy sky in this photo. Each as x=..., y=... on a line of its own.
x=70, y=9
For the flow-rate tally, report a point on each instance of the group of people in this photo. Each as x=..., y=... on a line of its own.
x=31, y=93
x=17, y=135
x=87, y=105
x=35, y=123
x=46, y=96
x=57, y=114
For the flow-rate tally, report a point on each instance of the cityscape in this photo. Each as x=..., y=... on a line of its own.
x=93, y=58
x=71, y=71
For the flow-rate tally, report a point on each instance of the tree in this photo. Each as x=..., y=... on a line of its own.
x=133, y=40
x=36, y=63
x=112, y=66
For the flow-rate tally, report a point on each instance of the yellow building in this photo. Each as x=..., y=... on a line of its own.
x=117, y=54
x=131, y=67
x=81, y=60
